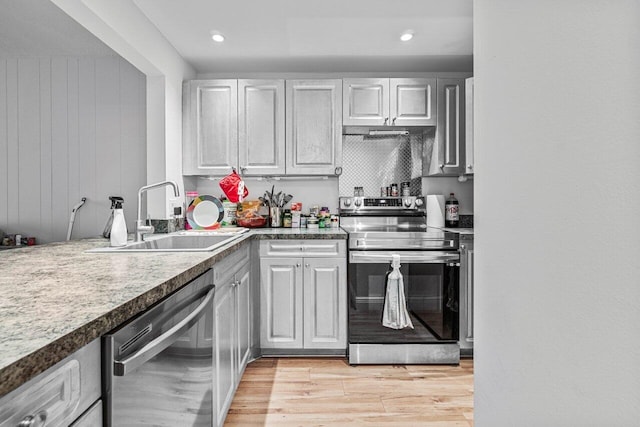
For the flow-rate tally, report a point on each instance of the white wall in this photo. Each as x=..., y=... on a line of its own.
x=126, y=30
x=557, y=110
x=444, y=185
x=69, y=128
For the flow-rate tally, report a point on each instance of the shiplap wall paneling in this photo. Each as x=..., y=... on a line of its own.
x=4, y=145
x=62, y=107
x=69, y=128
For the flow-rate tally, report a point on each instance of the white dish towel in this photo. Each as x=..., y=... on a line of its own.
x=394, y=313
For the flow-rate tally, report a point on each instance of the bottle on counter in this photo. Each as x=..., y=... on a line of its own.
x=190, y=197
x=451, y=216
x=287, y=219
x=118, y=236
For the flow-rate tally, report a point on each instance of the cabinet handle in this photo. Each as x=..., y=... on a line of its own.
x=441, y=166
x=386, y=119
x=298, y=265
x=393, y=122
x=469, y=166
x=462, y=247
x=33, y=421
x=307, y=265
x=243, y=169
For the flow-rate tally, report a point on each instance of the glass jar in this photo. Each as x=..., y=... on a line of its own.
x=286, y=219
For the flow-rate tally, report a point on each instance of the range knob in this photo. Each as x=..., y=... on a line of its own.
x=407, y=202
x=357, y=202
x=419, y=202
x=346, y=202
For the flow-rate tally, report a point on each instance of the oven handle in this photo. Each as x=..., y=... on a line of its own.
x=125, y=366
x=426, y=257
x=370, y=243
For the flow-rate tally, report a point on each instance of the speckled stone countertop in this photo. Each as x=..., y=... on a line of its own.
x=56, y=298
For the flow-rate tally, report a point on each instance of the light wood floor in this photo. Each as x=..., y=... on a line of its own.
x=329, y=392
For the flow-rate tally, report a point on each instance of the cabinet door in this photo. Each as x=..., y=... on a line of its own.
x=365, y=102
x=281, y=303
x=225, y=348
x=468, y=104
x=261, y=138
x=325, y=303
x=444, y=155
x=314, y=126
x=210, y=145
x=466, y=295
x=412, y=102
x=449, y=143
x=243, y=313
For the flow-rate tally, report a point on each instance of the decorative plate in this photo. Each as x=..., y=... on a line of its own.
x=205, y=213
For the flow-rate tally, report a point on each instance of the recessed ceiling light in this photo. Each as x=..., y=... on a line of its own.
x=406, y=36
x=217, y=37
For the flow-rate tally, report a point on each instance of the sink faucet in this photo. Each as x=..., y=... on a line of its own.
x=141, y=228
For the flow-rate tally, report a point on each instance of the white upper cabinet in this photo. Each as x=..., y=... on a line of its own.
x=412, y=102
x=210, y=132
x=261, y=137
x=241, y=123
x=365, y=102
x=314, y=127
x=389, y=102
x=445, y=155
x=469, y=125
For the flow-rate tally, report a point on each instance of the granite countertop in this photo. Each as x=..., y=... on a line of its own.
x=56, y=298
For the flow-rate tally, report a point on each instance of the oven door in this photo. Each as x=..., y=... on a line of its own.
x=431, y=280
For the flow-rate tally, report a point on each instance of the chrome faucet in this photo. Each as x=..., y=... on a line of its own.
x=141, y=228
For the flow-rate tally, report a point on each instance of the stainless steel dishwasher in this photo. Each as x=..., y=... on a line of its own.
x=158, y=368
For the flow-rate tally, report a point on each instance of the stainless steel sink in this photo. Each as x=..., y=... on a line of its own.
x=179, y=242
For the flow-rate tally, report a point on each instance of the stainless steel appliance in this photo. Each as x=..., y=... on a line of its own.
x=158, y=368
x=379, y=227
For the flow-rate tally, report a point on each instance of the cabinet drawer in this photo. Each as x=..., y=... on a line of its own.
x=60, y=394
x=230, y=264
x=306, y=248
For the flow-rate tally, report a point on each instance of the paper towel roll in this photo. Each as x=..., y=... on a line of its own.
x=435, y=210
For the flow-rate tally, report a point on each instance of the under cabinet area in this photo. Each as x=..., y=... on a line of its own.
x=303, y=295
x=389, y=102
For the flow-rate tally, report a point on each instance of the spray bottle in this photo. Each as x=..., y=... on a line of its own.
x=119, y=227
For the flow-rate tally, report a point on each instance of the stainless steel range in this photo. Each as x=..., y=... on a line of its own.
x=378, y=228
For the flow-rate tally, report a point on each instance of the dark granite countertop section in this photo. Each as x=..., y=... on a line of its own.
x=56, y=298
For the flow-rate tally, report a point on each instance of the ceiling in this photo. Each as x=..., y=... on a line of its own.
x=270, y=36
x=40, y=28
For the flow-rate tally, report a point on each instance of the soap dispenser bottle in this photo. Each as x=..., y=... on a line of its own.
x=119, y=227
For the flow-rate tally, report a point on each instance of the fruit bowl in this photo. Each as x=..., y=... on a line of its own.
x=252, y=222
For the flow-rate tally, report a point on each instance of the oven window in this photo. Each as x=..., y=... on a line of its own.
x=431, y=291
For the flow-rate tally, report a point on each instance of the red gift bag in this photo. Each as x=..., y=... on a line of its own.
x=233, y=187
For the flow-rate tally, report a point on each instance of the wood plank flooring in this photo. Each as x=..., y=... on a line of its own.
x=329, y=392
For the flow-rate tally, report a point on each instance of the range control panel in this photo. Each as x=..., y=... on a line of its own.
x=381, y=204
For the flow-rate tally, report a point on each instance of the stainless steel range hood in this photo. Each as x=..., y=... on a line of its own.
x=384, y=131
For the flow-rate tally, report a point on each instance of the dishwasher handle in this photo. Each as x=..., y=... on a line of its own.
x=125, y=366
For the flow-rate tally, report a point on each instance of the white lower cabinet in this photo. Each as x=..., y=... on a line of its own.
x=303, y=295
x=59, y=396
x=232, y=327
